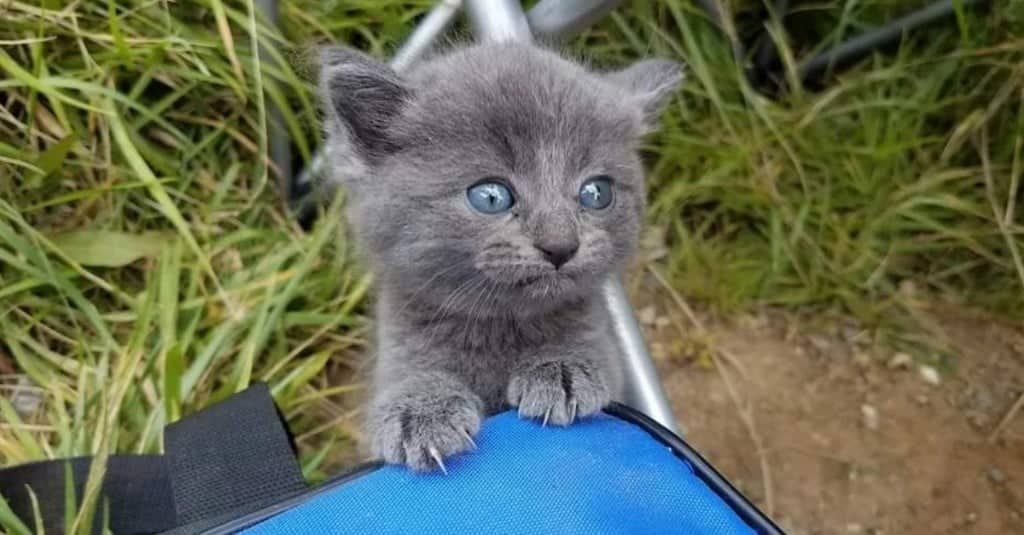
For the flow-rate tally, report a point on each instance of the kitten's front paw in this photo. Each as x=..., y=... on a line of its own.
x=559, y=391
x=420, y=430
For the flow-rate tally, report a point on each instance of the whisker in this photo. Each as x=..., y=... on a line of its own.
x=437, y=320
x=411, y=298
x=481, y=300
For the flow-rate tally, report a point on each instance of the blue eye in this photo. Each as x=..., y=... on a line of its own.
x=596, y=192
x=490, y=197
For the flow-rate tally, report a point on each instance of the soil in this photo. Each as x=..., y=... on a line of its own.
x=853, y=442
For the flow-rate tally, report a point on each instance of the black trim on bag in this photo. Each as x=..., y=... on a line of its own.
x=732, y=497
x=244, y=522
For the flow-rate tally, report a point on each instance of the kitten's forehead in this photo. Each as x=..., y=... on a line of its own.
x=517, y=99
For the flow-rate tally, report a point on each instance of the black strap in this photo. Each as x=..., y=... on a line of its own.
x=136, y=489
x=231, y=458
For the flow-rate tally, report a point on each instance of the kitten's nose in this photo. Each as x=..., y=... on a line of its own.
x=558, y=253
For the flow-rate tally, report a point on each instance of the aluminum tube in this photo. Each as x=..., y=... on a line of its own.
x=422, y=39
x=552, y=21
x=435, y=24
x=498, y=20
x=642, y=387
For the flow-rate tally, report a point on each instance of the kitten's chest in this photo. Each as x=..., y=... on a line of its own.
x=487, y=374
x=488, y=354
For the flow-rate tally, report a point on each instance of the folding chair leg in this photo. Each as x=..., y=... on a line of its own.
x=643, y=389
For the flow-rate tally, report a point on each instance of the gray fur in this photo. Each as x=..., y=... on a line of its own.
x=471, y=318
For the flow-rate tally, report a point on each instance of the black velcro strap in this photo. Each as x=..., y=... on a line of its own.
x=236, y=456
x=136, y=489
x=231, y=458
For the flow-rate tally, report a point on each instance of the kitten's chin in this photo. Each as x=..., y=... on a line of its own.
x=546, y=291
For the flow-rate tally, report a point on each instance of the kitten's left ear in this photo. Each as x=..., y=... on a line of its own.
x=650, y=83
x=361, y=97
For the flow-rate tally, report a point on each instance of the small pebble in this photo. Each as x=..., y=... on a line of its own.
x=26, y=400
x=850, y=333
x=930, y=375
x=922, y=399
x=647, y=315
x=978, y=420
x=972, y=518
x=748, y=321
x=983, y=400
x=900, y=361
x=996, y=475
x=854, y=528
x=662, y=321
x=870, y=416
x=819, y=343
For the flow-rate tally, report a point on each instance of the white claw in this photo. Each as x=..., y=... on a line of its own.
x=469, y=438
x=437, y=459
x=573, y=405
x=547, y=414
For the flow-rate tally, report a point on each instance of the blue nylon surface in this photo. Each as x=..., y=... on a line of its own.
x=598, y=476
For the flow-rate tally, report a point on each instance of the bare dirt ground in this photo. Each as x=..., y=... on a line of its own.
x=852, y=442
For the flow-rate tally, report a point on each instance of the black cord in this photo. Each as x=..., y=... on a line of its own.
x=767, y=75
x=767, y=53
x=864, y=44
x=279, y=143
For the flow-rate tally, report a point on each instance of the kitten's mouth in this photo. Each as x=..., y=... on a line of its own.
x=527, y=281
x=545, y=286
x=537, y=285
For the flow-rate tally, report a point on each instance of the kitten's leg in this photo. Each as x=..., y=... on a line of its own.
x=423, y=417
x=564, y=382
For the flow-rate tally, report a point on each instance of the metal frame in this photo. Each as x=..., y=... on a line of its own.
x=555, y=20
x=549, y=21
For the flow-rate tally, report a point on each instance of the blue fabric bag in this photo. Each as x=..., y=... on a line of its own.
x=231, y=468
x=616, y=473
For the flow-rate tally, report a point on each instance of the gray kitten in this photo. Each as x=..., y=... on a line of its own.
x=493, y=188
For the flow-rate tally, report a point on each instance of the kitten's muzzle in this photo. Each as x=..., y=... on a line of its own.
x=558, y=253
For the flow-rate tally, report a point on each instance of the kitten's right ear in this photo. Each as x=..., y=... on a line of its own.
x=650, y=83
x=361, y=97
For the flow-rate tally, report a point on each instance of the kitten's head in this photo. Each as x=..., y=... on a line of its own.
x=494, y=179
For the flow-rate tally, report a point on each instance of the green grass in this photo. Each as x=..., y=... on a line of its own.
x=147, y=267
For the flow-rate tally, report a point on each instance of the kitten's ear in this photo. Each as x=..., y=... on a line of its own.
x=650, y=83
x=361, y=97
